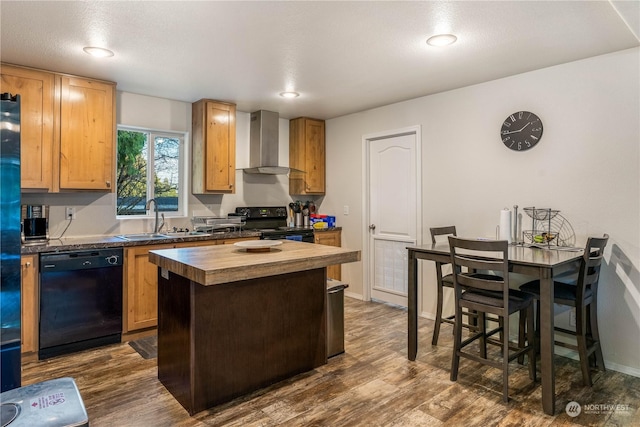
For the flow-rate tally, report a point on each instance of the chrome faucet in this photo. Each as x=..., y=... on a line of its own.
x=155, y=205
x=162, y=224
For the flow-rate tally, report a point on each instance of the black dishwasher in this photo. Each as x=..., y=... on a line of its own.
x=80, y=300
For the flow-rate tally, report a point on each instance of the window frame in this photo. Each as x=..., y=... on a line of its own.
x=183, y=197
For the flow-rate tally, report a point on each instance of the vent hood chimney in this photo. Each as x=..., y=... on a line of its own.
x=263, y=144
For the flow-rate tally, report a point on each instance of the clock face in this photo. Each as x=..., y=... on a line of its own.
x=521, y=131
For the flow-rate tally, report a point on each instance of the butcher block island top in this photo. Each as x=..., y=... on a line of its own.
x=232, y=319
x=213, y=265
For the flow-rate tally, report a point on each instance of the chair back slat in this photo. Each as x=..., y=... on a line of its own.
x=480, y=255
x=477, y=264
x=449, y=230
x=589, y=275
x=467, y=281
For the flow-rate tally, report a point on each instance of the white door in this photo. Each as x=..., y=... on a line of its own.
x=393, y=192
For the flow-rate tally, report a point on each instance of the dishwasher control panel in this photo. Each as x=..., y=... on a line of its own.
x=80, y=260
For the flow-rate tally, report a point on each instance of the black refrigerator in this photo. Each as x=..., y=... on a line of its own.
x=10, y=241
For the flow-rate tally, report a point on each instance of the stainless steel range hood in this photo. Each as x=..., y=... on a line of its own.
x=263, y=144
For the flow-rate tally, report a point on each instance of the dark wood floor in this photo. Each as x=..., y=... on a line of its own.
x=373, y=384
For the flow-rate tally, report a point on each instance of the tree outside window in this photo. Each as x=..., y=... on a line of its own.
x=149, y=166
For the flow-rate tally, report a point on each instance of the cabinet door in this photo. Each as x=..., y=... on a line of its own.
x=315, y=157
x=306, y=156
x=141, y=284
x=36, y=90
x=214, y=147
x=29, y=304
x=87, y=145
x=330, y=238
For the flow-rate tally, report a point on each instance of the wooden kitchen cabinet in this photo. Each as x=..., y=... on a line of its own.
x=87, y=134
x=36, y=90
x=141, y=283
x=330, y=238
x=29, y=304
x=67, y=130
x=141, y=288
x=214, y=147
x=306, y=156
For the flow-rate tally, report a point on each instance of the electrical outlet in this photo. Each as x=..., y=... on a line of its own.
x=572, y=317
x=70, y=213
x=345, y=209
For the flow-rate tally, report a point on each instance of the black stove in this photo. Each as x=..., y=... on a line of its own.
x=272, y=222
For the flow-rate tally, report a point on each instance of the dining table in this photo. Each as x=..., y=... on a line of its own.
x=543, y=263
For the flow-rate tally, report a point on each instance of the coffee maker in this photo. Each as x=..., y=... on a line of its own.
x=35, y=223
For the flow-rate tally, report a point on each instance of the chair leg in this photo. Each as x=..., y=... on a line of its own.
x=436, y=326
x=505, y=360
x=581, y=325
x=595, y=334
x=522, y=327
x=531, y=342
x=537, y=329
x=482, y=323
x=457, y=340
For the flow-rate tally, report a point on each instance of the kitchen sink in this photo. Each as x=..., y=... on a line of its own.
x=143, y=236
x=160, y=236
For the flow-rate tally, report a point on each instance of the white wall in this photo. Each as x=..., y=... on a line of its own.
x=586, y=165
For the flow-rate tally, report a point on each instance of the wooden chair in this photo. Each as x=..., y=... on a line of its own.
x=489, y=296
x=446, y=281
x=583, y=296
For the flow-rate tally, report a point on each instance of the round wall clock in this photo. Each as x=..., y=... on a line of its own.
x=521, y=131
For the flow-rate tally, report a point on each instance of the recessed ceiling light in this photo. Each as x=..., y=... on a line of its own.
x=442, y=40
x=289, y=94
x=98, y=51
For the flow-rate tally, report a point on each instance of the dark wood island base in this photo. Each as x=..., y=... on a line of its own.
x=219, y=342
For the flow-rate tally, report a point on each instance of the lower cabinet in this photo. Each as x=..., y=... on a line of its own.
x=29, y=303
x=141, y=283
x=330, y=238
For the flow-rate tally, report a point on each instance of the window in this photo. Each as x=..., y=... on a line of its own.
x=150, y=166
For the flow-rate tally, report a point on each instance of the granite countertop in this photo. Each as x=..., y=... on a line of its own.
x=211, y=265
x=99, y=242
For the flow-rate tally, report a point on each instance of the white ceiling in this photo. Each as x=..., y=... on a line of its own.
x=342, y=57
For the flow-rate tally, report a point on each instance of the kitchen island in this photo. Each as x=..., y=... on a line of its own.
x=231, y=320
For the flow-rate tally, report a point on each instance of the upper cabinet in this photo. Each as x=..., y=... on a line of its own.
x=87, y=143
x=67, y=130
x=36, y=90
x=214, y=147
x=306, y=156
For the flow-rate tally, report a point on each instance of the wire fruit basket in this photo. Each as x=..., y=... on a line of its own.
x=539, y=236
x=542, y=230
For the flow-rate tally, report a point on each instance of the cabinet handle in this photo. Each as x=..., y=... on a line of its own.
x=108, y=184
x=230, y=185
x=27, y=264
